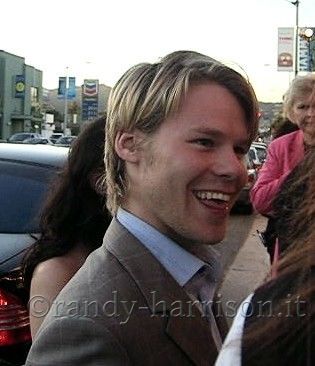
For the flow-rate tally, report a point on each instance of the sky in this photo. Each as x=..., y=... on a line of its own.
x=102, y=39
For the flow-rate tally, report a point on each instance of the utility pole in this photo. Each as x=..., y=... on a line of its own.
x=65, y=120
x=296, y=4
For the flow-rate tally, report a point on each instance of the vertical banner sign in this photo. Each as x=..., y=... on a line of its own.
x=285, y=49
x=71, y=89
x=90, y=99
x=306, y=51
x=303, y=54
x=62, y=86
x=312, y=48
x=19, y=86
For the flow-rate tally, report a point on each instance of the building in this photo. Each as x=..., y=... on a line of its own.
x=54, y=105
x=20, y=96
x=53, y=101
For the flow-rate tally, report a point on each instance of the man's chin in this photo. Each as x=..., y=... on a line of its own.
x=212, y=238
x=217, y=234
x=214, y=241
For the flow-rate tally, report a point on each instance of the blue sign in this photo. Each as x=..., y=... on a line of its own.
x=62, y=86
x=90, y=99
x=71, y=89
x=89, y=108
x=19, y=86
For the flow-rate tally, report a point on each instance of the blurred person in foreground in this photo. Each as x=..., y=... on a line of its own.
x=72, y=223
x=284, y=155
x=176, y=137
x=275, y=326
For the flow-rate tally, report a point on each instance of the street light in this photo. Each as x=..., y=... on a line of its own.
x=65, y=120
x=296, y=4
x=307, y=34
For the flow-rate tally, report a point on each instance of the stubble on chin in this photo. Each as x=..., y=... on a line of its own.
x=191, y=242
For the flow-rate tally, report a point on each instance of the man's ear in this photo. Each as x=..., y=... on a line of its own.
x=127, y=146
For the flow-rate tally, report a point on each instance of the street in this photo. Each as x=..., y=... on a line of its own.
x=245, y=260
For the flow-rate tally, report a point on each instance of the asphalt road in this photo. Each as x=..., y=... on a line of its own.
x=238, y=230
x=245, y=259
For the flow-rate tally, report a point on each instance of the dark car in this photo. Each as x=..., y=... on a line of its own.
x=243, y=203
x=25, y=174
x=65, y=141
x=37, y=140
x=258, y=153
x=21, y=136
x=55, y=136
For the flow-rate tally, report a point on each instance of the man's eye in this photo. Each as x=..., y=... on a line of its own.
x=301, y=106
x=205, y=142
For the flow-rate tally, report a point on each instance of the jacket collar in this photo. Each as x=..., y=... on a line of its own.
x=185, y=324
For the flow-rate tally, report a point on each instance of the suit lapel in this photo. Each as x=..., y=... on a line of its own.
x=185, y=326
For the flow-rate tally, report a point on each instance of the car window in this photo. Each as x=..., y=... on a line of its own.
x=19, y=137
x=261, y=153
x=23, y=188
x=251, y=154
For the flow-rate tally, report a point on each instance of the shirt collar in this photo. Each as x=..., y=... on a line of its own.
x=181, y=264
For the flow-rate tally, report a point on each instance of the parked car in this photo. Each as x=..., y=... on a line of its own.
x=260, y=144
x=25, y=173
x=257, y=154
x=37, y=140
x=261, y=150
x=21, y=136
x=55, y=136
x=243, y=202
x=65, y=140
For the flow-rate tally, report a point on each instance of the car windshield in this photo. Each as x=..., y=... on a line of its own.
x=261, y=153
x=25, y=186
x=62, y=140
x=19, y=137
x=251, y=154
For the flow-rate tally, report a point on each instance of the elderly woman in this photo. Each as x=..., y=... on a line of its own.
x=286, y=152
x=284, y=155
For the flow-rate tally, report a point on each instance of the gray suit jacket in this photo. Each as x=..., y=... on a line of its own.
x=123, y=308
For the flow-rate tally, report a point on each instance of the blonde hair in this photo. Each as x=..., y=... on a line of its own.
x=300, y=86
x=149, y=93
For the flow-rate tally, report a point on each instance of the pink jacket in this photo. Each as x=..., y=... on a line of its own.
x=284, y=154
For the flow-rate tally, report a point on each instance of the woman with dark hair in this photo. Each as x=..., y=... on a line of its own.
x=276, y=324
x=72, y=223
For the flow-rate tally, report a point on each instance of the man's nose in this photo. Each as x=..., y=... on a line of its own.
x=230, y=166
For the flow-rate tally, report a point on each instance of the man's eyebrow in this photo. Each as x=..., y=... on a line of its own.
x=208, y=131
x=217, y=133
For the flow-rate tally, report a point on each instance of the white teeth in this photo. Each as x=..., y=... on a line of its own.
x=213, y=195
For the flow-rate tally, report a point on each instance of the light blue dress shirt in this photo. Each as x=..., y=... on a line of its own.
x=181, y=264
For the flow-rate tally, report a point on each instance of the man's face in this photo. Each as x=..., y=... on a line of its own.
x=189, y=176
x=303, y=114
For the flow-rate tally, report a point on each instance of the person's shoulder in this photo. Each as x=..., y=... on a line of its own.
x=53, y=274
x=55, y=268
x=283, y=140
